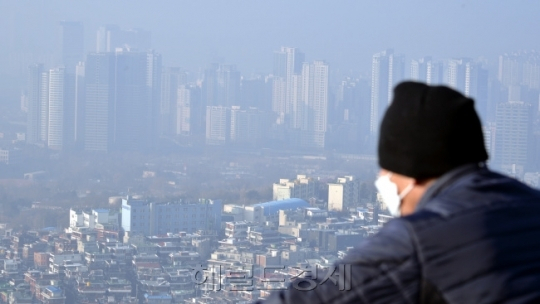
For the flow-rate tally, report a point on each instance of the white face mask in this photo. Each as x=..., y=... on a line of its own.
x=389, y=193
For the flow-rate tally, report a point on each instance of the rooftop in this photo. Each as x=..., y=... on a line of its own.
x=274, y=206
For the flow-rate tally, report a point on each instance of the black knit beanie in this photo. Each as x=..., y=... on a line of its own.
x=428, y=131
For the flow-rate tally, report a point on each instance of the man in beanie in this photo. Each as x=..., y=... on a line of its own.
x=462, y=233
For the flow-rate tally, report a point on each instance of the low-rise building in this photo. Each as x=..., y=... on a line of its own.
x=302, y=187
x=344, y=193
x=152, y=218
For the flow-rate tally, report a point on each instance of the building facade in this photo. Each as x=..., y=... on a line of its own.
x=344, y=193
x=151, y=218
x=302, y=187
x=512, y=137
x=387, y=69
x=218, y=123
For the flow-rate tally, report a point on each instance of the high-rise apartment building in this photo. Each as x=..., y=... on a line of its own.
x=44, y=108
x=313, y=104
x=56, y=130
x=153, y=93
x=184, y=111
x=228, y=85
x=172, y=78
x=471, y=79
x=257, y=92
x=218, y=123
x=348, y=118
x=33, y=124
x=80, y=98
x=387, y=69
x=512, y=137
x=426, y=70
x=122, y=104
x=247, y=125
x=221, y=85
x=458, y=75
x=209, y=85
x=287, y=63
x=99, y=101
x=132, y=108
x=520, y=69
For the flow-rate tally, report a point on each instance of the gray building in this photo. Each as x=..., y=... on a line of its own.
x=150, y=218
x=512, y=137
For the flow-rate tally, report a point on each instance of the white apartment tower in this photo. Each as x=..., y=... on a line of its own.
x=183, y=111
x=387, y=70
x=314, y=102
x=55, y=132
x=426, y=70
x=287, y=63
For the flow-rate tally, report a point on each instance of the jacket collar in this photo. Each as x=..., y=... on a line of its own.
x=446, y=180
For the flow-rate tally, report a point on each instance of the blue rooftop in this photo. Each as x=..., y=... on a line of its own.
x=287, y=204
x=54, y=289
x=101, y=210
x=158, y=296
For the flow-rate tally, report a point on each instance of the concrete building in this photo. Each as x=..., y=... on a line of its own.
x=387, y=69
x=218, y=123
x=246, y=125
x=34, y=97
x=236, y=229
x=150, y=218
x=287, y=63
x=344, y=193
x=183, y=111
x=269, y=211
x=426, y=70
x=310, y=111
x=9, y=156
x=99, y=102
x=132, y=108
x=122, y=105
x=171, y=80
x=56, y=117
x=512, y=137
x=302, y=187
x=90, y=218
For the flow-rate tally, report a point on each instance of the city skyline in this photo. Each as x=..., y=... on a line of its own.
x=484, y=29
x=133, y=97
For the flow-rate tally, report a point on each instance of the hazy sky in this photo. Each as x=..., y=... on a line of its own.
x=344, y=33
